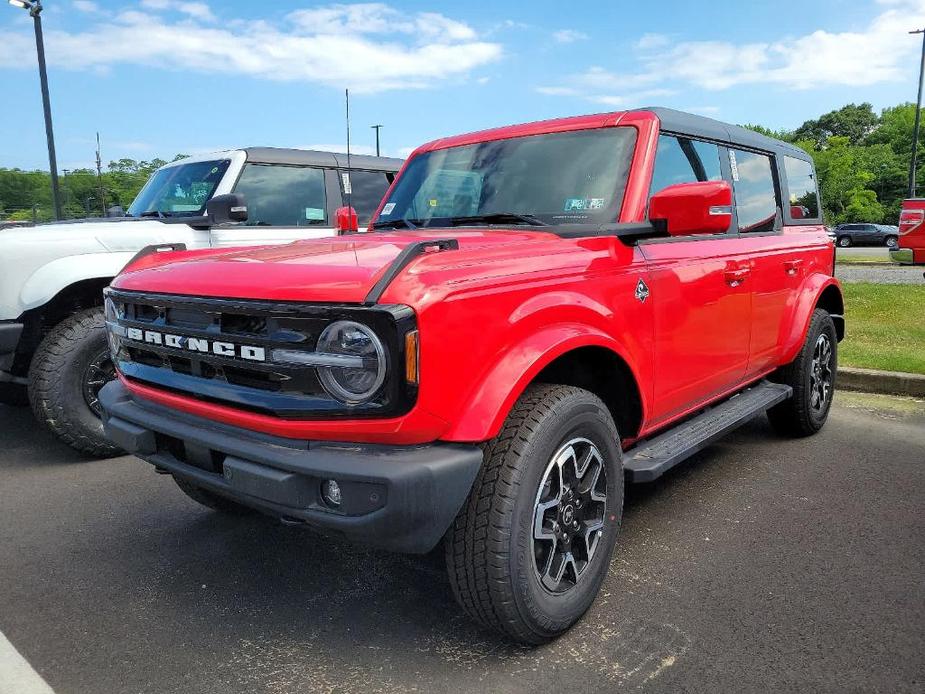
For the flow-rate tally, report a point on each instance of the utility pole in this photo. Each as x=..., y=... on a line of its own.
x=918, y=113
x=377, y=128
x=35, y=11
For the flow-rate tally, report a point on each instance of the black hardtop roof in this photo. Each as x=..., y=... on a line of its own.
x=311, y=157
x=708, y=128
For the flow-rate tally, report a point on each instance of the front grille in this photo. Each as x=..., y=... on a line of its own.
x=246, y=330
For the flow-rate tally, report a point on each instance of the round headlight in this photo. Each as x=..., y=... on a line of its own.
x=349, y=384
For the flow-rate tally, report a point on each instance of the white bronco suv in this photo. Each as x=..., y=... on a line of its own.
x=53, y=350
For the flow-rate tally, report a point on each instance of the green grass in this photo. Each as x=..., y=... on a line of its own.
x=862, y=260
x=885, y=327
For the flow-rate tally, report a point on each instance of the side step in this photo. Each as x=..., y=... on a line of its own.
x=650, y=459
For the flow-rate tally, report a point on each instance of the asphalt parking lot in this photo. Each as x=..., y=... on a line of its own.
x=761, y=565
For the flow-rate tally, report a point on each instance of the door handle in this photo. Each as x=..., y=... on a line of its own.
x=792, y=266
x=736, y=277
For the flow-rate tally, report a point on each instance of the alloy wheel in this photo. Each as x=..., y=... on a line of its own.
x=822, y=373
x=568, y=515
x=98, y=373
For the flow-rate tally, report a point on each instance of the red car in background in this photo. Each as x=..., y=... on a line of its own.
x=911, y=249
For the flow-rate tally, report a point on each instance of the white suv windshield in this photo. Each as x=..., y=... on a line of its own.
x=557, y=178
x=179, y=191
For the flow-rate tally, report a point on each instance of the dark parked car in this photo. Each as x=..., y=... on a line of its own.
x=866, y=235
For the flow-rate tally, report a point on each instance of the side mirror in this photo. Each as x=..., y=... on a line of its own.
x=223, y=209
x=345, y=219
x=693, y=208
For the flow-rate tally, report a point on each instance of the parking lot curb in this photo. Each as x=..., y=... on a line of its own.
x=888, y=382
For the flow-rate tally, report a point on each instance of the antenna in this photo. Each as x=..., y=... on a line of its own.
x=347, y=186
x=99, y=175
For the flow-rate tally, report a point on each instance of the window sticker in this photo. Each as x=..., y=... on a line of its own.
x=389, y=206
x=733, y=165
x=584, y=204
x=346, y=178
x=432, y=202
x=314, y=213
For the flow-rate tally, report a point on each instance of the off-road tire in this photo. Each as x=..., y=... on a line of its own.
x=14, y=395
x=891, y=241
x=489, y=547
x=211, y=500
x=795, y=417
x=56, y=382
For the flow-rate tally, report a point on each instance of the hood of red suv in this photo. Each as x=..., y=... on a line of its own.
x=339, y=270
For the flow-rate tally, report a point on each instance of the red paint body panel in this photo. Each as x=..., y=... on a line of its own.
x=912, y=228
x=723, y=310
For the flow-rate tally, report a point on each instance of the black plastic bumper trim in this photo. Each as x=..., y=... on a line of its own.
x=418, y=489
x=9, y=336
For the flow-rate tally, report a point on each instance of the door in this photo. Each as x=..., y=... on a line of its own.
x=779, y=258
x=699, y=288
x=284, y=203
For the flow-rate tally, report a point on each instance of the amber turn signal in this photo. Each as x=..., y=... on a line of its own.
x=411, y=356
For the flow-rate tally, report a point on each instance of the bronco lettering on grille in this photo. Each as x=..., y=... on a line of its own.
x=197, y=344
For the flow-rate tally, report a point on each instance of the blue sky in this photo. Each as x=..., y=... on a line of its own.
x=158, y=77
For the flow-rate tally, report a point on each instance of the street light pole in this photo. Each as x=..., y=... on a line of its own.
x=918, y=113
x=376, y=128
x=35, y=11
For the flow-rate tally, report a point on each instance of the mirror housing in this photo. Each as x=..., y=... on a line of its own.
x=230, y=207
x=686, y=209
x=345, y=219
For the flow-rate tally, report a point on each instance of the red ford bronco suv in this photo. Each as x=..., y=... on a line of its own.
x=539, y=312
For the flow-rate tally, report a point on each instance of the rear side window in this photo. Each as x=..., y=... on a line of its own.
x=288, y=196
x=755, y=194
x=802, y=191
x=681, y=160
x=367, y=189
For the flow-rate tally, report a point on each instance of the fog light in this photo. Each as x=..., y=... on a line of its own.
x=330, y=493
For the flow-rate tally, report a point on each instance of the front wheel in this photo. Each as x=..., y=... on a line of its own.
x=68, y=370
x=812, y=377
x=531, y=546
x=891, y=242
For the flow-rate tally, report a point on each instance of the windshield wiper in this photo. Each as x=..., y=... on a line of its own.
x=396, y=223
x=154, y=213
x=499, y=218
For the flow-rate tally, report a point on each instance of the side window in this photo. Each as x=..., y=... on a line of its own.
x=367, y=189
x=755, y=194
x=801, y=189
x=681, y=160
x=279, y=195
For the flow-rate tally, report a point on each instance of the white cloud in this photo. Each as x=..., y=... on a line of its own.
x=568, y=36
x=86, y=6
x=878, y=52
x=366, y=47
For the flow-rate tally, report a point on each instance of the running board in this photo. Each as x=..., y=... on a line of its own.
x=651, y=459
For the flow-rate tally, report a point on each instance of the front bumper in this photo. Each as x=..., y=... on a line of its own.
x=10, y=331
x=401, y=498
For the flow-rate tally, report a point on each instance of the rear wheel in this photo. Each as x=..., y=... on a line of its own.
x=531, y=546
x=891, y=242
x=844, y=241
x=211, y=500
x=68, y=370
x=812, y=377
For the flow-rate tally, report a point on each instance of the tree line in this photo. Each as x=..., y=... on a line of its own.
x=26, y=195
x=862, y=160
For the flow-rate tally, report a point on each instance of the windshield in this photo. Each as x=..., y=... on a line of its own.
x=179, y=191
x=557, y=178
